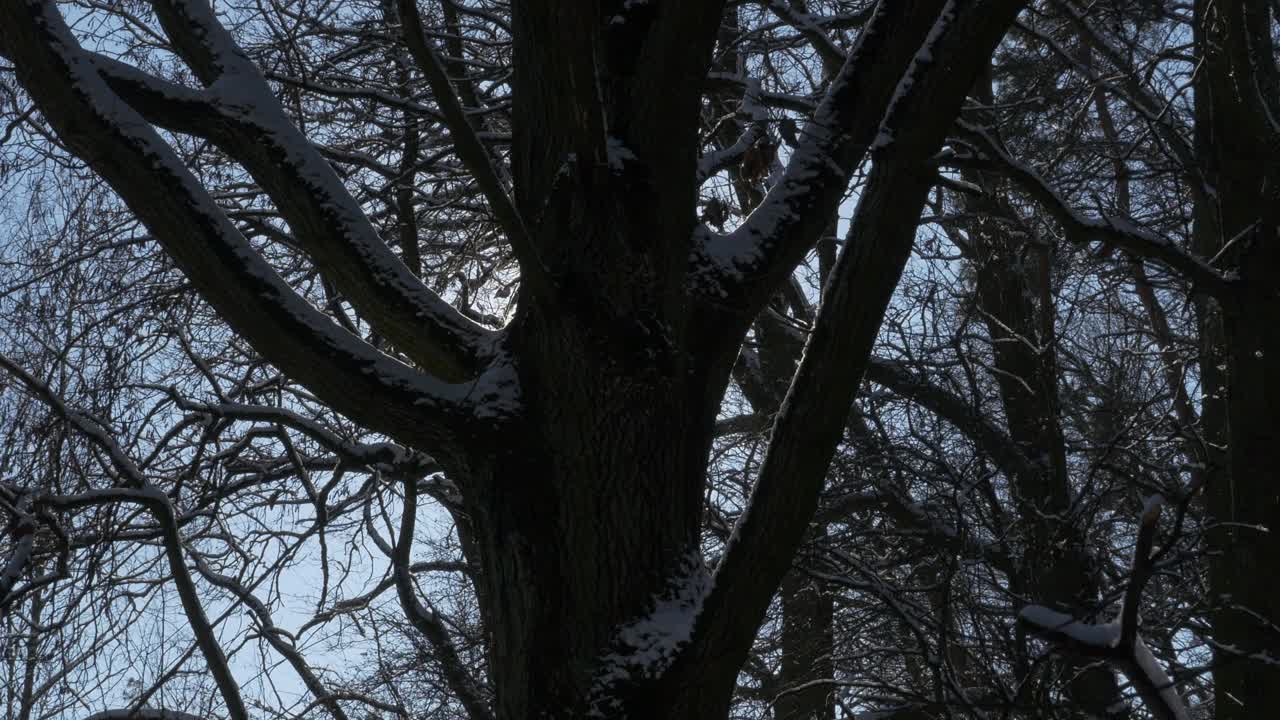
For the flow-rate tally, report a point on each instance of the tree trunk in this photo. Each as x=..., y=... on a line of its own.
x=1240, y=220
x=1014, y=295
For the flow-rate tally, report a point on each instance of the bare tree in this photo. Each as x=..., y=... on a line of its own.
x=532, y=335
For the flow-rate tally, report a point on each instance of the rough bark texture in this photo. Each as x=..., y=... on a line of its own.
x=1239, y=149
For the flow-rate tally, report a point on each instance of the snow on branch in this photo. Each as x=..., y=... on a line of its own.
x=646, y=646
x=1113, y=230
x=243, y=117
x=751, y=261
x=714, y=162
x=343, y=370
x=811, y=420
x=1119, y=641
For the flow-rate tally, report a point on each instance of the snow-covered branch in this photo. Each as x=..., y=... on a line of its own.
x=245, y=119
x=812, y=418
x=748, y=264
x=1118, y=231
x=1119, y=641
x=116, y=141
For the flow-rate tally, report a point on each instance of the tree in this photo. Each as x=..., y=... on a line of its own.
x=351, y=189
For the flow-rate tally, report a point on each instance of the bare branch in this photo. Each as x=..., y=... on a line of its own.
x=468, y=145
x=1118, y=231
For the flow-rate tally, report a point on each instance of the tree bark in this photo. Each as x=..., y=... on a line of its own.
x=1014, y=295
x=1240, y=363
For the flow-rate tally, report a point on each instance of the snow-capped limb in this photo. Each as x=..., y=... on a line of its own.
x=355, y=378
x=813, y=416
x=1118, y=231
x=243, y=118
x=1099, y=640
x=1107, y=641
x=141, y=491
x=426, y=620
x=1116, y=639
x=467, y=144
x=746, y=266
x=1119, y=641
x=718, y=160
x=645, y=647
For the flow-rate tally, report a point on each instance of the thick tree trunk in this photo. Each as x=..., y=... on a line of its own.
x=1240, y=221
x=589, y=533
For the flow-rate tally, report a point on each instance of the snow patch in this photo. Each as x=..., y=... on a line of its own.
x=1147, y=664
x=645, y=647
x=1105, y=635
x=496, y=392
x=619, y=154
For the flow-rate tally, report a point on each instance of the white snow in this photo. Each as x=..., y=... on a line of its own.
x=496, y=393
x=1147, y=664
x=1105, y=635
x=646, y=646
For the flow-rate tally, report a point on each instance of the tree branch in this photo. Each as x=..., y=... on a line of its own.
x=990, y=439
x=468, y=146
x=1119, y=641
x=1112, y=230
x=245, y=119
x=372, y=388
x=143, y=492
x=813, y=415
x=744, y=267
x=426, y=620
